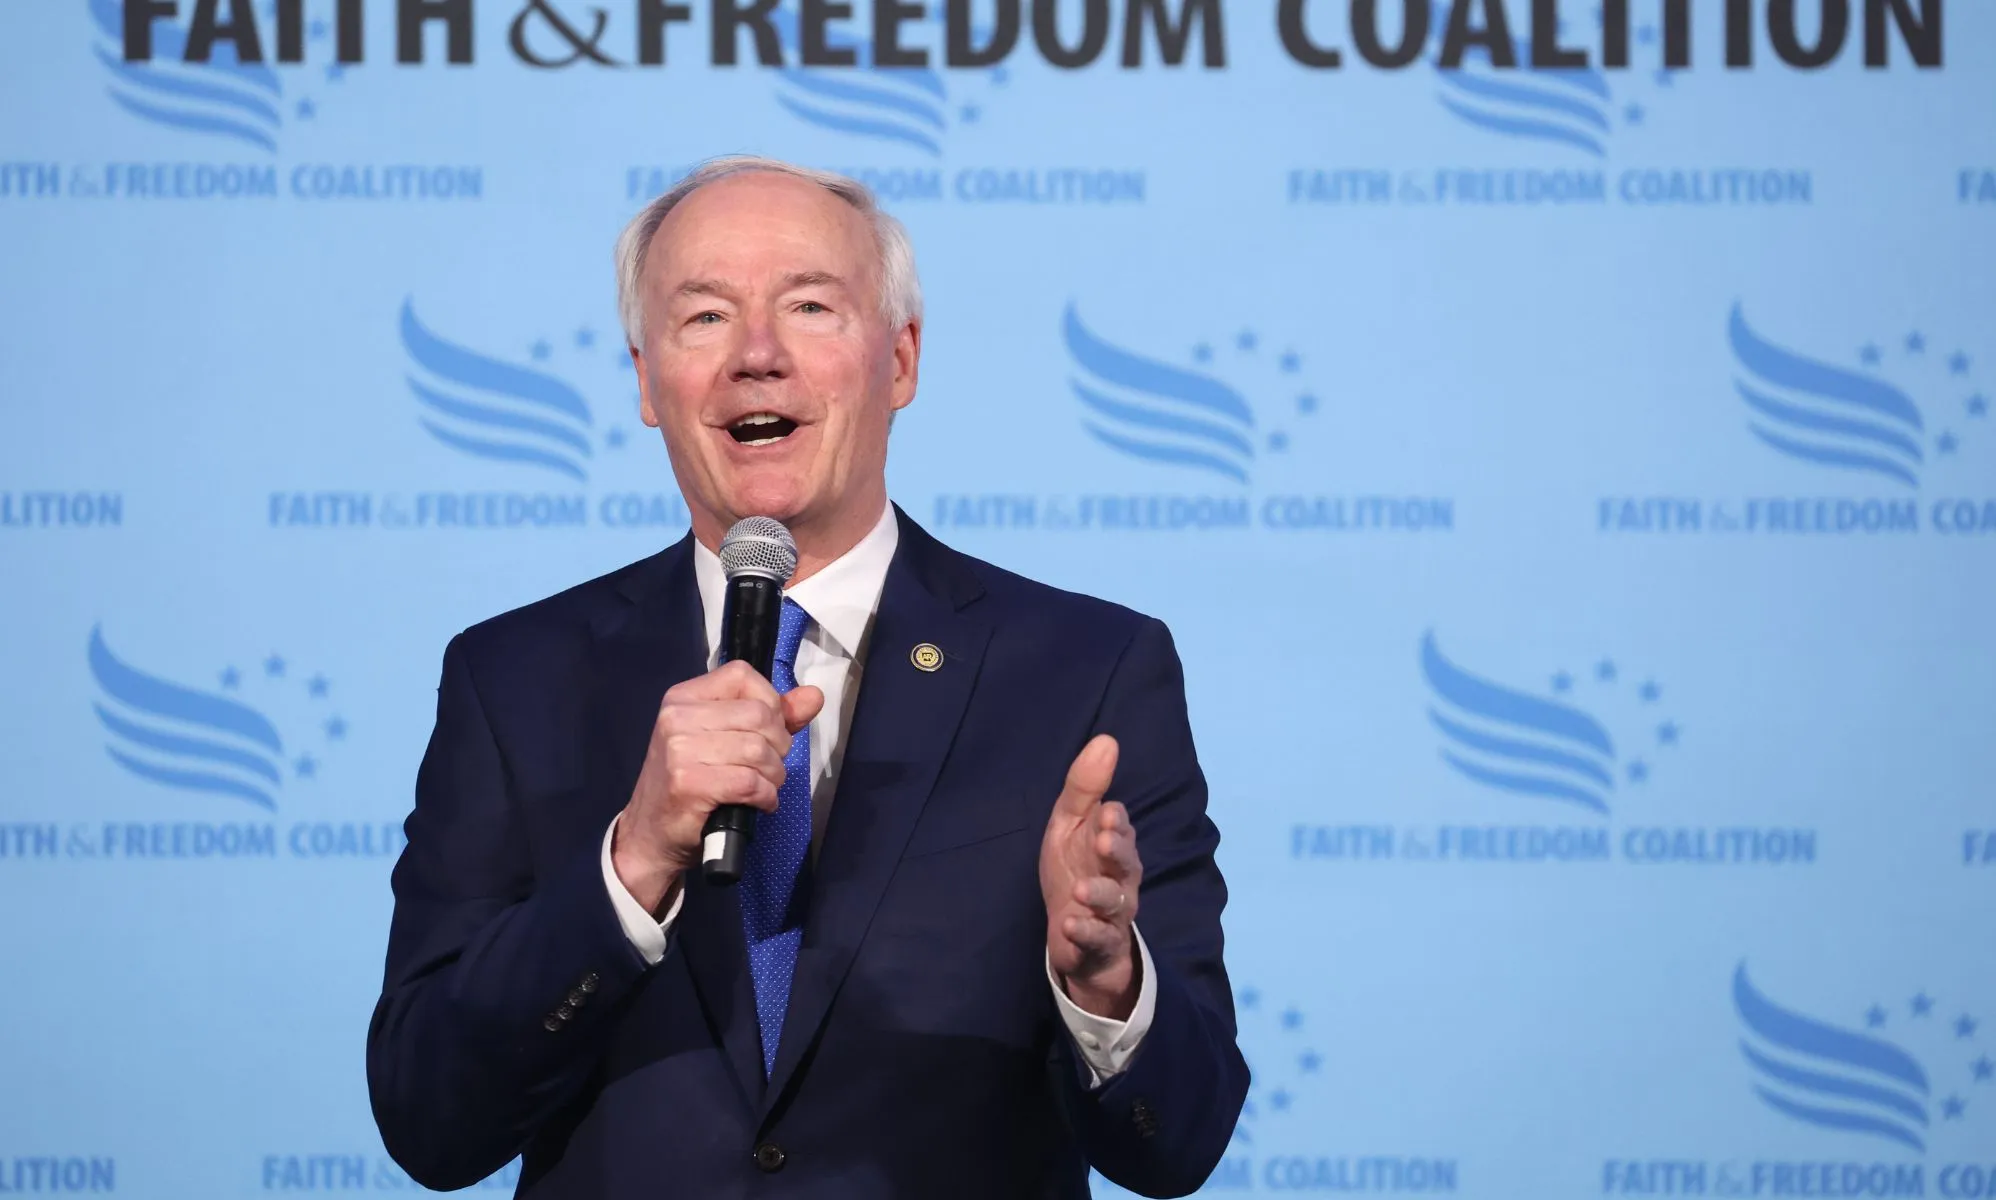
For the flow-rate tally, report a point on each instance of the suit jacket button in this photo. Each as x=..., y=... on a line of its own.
x=770, y=1157
x=588, y=983
x=564, y=1012
x=551, y=1023
x=577, y=998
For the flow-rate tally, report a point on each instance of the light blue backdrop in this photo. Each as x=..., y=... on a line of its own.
x=1609, y=812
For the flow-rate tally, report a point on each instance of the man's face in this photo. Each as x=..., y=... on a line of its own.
x=767, y=362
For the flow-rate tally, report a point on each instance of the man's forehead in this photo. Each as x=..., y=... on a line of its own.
x=761, y=223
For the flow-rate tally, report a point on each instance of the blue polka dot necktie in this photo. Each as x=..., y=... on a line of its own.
x=772, y=906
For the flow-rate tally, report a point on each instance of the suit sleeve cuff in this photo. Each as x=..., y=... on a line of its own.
x=647, y=936
x=1106, y=1045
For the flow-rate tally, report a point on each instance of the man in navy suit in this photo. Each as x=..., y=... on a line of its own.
x=930, y=981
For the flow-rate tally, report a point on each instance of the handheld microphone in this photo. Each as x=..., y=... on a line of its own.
x=758, y=556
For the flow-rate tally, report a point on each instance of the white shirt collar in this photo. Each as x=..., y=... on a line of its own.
x=841, y=597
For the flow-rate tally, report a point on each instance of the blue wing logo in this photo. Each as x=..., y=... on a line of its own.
x=1150, y=410
x=1824, y=414
x=1515, y=742
x=494, y=410
x=1829, y=1077
x=181, y=738
x=223, y=98
x=905, y=105
x=1567, y=106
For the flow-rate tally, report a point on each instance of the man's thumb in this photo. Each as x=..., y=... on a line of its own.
x=1089, y=778
x=800, y=705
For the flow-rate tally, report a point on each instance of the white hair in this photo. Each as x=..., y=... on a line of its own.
x=900, y=289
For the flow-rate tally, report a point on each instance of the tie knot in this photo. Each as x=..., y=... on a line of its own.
x=790, y=631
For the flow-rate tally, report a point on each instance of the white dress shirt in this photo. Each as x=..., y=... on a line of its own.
x=841, y=599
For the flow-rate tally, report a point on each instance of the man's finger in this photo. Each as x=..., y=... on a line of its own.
x=729, y=681
x=1115, y=853
x=1105, y=898
x=1089, y=778
x=1093, y=937
x=801, y=706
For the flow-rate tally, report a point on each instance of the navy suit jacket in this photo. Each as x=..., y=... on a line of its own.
x=922, y=1054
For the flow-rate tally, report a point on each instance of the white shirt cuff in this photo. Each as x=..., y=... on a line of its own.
x=646, y=936
x=1105, y=1044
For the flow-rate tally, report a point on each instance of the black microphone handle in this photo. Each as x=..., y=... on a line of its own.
x=751, y=609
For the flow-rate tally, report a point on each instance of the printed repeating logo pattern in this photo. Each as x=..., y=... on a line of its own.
x=1854, y=1081
x=1515, y=741
x=198, y=740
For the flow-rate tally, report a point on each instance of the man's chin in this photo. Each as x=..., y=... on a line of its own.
x=784, y=500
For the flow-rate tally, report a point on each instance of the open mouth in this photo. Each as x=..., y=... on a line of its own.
x=761, y=429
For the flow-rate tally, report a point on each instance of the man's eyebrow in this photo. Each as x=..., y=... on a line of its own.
x=703, y=287
x=797, y=279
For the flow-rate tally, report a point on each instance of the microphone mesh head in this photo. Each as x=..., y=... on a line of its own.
x=759, y=546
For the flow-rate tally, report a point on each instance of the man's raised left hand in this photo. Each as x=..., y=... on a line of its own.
x=1089, y=876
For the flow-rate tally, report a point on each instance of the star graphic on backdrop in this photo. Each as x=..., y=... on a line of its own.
x=1279, y=1101
x=1957, y=363
x=316, y=30
x=1666, y=734
x=1665, y=77
x=1645, y=35
x=306, y=110
x=1249, y=998
x=1984, y=1069
x=1922, y=1006
x=1245, y=340
x=1633, y=114
x=613, y=437
x=541, y=350
x=1649, y=691
x=1292, y=362
x=968, y=113
x=318, y=686
x=1292, y=1018
x=1306, y=403
x=1964, y=1026
x=1278, y=441
x=273, y=667
x=1874, y=1017
x=585, y=337
x=1309, y=1061
x=1202, y=353
x=335, y=72
x=1000, y=77
x=1870, y=356
x=307, y=767
x=1562, y=682
x=1978, y=405
x=1946, y=443
x=336, y=728
x=1638, y=771
x=231, y=678
x=1605, y=671
x=1951, y=1108
x=1915, y=344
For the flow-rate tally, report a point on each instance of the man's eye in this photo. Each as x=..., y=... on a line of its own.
x=811, y=306
x=707, y=318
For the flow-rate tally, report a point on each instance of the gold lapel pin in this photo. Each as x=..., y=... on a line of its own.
x=925, y=657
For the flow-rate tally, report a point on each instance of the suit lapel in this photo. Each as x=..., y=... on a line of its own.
x=657, y=641
x=903, y=725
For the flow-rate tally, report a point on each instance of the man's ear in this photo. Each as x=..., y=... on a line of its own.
x=646, y=411
x=907, y=362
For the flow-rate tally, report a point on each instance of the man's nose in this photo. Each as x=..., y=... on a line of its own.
x=759, y=351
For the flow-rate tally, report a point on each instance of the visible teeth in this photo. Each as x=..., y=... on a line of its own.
x=759, y=419
x=768, y=441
